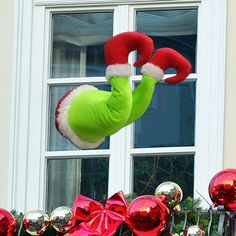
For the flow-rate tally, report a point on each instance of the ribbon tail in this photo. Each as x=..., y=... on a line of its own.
x=80, y=231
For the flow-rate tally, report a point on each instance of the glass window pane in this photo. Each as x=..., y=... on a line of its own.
x=56, y=141
x=78, y=40
x=170, y=118
x=67, y=178
x=171, y=28
x=150, y=171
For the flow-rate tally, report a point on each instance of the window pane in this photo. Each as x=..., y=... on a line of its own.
x=170, y=118
x=78, y=40
x=57, y=142
x=69, y=177
x=150, y=171
x=171, y=28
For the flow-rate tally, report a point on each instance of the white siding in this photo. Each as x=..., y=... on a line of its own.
x=6, y=32
x=230, y=89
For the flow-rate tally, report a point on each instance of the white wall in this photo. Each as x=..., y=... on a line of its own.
x=230, y=90
x=6, y=32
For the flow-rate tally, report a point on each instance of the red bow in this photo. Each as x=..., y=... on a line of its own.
x=98, y=220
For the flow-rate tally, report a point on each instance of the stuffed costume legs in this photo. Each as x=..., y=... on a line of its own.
x=86, y=115
x=153, y=72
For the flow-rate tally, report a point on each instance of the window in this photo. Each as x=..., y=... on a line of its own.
x=77, y=52
x=177, y=139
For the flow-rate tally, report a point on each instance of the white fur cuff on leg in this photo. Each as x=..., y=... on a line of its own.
x=153, y=70
x=62, y=119
x=117, y=70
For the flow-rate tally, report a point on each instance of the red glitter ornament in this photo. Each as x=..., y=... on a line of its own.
x=222, y=189
x=8, y=225
x=147, y=216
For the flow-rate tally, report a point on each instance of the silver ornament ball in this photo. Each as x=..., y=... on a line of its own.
x=62, y=219
x=170, y=193
x=35, y=222
x=194, y=230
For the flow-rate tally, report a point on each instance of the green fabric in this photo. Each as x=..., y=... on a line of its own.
x=95, y=114
x=142, y=97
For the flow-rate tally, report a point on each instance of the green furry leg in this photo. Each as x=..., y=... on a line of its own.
x=120, y=101
x=95, y=114
x=142, y=97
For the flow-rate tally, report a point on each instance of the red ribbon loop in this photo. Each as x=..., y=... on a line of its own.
x=98, y=220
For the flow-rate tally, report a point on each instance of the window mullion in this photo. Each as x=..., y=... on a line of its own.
x=117, y=160
x=77, y=153
x=163, y=151
x=120, y=19
x=70, y=81
x=83, y=55
x=128, y=188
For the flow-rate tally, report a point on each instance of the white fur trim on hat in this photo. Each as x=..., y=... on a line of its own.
x=153, y=70
x=118, y=70
x=62, y=119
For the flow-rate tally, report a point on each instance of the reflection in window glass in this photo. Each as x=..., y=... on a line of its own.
x=78, y=40
x=56, y=141
x=150, y=171
x=69, y=177
x=170, y=118
x=171, y=28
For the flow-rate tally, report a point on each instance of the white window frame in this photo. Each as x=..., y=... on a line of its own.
x=27, y=182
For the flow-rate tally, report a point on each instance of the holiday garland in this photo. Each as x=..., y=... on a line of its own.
x=160, y=214
x=190, y=205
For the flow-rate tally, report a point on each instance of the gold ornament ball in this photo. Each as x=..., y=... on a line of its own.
x=170, y=193
x=35, y=222
x=62, y=219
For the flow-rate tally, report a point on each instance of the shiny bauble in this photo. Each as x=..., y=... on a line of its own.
x=177, y=208
x=62, y=219
x=222, y=189
x=193, y=230
x=169, y=193
x=35, y=222
x=7, y=223
x=147, y=216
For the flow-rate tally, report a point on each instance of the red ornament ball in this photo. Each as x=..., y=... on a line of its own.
x=222, y=189
x=8, y=223
x=147, y=216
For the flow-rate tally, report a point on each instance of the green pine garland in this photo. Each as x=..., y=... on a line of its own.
x=192, y=206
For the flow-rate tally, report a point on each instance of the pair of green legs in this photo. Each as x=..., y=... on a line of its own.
x=95, y=114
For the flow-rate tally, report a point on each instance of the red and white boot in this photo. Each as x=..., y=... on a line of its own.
x=117, y=50
x=163, y=59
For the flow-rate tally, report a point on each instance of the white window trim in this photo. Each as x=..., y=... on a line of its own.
x=108, y=2
x=27, y=182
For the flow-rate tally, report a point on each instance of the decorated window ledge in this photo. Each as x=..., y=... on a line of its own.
x=160, y=214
